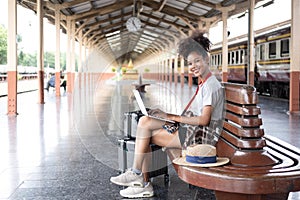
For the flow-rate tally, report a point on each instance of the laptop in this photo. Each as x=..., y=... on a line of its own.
x=143, y=108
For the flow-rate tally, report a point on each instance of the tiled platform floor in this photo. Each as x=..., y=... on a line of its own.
x=67, y=148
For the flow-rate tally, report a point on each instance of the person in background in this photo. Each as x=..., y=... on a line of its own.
x=51, y=82
x=208, y=101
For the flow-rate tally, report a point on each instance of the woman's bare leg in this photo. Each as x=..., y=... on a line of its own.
x=145, y=128
x=150, y=130
x=146, y=164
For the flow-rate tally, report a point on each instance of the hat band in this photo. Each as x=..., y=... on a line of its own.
x=201, y=159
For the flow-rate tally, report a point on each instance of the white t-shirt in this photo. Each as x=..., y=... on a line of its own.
x=211, y=93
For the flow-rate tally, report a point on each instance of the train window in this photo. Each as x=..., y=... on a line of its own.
x=242, y=56
x=259, y=52
x=262, y=52
x=214, y=60
x=232, y=58
x=245, y=59
x=285, y=48
x=228, y=58
x=237, y=57
x=272, y=50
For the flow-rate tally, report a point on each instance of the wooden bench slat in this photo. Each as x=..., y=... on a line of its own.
x=244, y=122
x=243, y=109
x=243, y=143
x=244, y=132
x=240, y=94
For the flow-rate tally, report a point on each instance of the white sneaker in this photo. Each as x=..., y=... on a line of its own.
x=129, y=178
x=138, y=192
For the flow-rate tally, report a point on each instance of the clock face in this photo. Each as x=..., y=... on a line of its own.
x=133, y=24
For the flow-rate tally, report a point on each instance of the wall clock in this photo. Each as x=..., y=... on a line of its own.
x=133, y=24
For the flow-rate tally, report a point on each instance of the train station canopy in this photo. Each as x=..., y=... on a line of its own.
x=137, y=27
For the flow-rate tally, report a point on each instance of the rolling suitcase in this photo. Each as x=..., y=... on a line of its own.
x=159, y=164
x=130, y=123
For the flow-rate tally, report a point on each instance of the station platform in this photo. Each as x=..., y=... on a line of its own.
x=67, y=148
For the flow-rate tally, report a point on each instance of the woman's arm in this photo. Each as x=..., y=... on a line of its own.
x=202, y=120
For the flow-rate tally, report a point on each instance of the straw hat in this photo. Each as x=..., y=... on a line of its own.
x=200, y=155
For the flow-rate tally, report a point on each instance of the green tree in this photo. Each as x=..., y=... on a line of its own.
x=28, y=60
x=3, y=45
x=21, y=58
x=49, y=59
x=63, y=64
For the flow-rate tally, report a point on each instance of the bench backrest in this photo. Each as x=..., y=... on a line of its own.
x=242, y=136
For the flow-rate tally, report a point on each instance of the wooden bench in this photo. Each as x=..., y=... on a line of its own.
x=261, y=167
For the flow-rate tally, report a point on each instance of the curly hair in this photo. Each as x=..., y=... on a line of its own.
x=196, y=42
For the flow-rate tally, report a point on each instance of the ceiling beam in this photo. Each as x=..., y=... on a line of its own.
x=168, y=10
x=101, y=10
x=83, y=25
x=163, y=20
x=205, y=3
x=97, y=23
x=70, y=4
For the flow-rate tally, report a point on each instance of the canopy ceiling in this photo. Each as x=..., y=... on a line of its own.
x=103, y=22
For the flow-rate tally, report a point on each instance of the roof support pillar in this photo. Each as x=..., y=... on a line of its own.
x=40, y=52
x=165, y=65
x=170, y=69
x=12, y=59
x=80, y=70
x=57, y=53
x=159, y=70
x=295, y=59
x=80, y=51
x=85, y=65
x=162, y=62
x=182, y=71
x=225, y=11
x=84, y=56
x=176, y=69
x=251, y=64
x=68, y=56
x=73, y=57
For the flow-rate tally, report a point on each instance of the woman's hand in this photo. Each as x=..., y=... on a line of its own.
x=162, y=114
x=173, y=117
x=157, y=112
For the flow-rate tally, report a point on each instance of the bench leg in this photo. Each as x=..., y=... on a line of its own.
x=236, y=196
